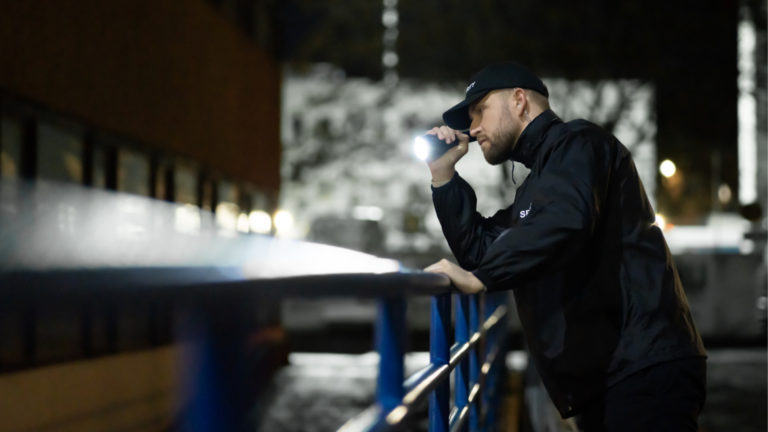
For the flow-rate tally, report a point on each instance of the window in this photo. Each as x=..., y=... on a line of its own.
x=10, y=148
x=59, y=154
x=227, y=210
x=132, y=172
x=99, y=168
x=185, y=182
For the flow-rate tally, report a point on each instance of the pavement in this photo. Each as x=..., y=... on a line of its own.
x=319, y=392
x=737, y=391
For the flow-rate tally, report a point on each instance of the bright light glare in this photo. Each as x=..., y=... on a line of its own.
x=260, y=222
x=187, y=219
x=314, y=259
x=226, y=216
x=367, y=213
x=746, y=246
x=421, y=148
x=283, y=220
x=517, y=360
x=660, y=221
x=242, y=223
x=747, y=112
x=724, y=193
x=667, y=168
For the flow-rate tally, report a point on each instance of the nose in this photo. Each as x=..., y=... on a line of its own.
x=475, y=131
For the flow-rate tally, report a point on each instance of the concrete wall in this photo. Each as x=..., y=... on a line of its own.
x=171, y=73
x=132, y=391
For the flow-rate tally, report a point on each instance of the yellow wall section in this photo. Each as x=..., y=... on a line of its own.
x=172, y=73
x=134, y=391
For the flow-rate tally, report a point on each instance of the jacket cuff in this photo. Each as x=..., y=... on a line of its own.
x=445, y=186
x=484, y=278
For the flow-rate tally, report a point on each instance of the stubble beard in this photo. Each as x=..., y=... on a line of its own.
x=501, y=144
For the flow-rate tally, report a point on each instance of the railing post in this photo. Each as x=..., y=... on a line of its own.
x=489, y=414
x=439, y=354
x=461, y=373
x=474, y=362
x=390, y=344
x=215, y=394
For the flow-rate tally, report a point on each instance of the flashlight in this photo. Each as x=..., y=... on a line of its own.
x=431, y=147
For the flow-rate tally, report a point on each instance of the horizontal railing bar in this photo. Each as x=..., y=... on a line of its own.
x=458, y=352
x=492, y=320
x=219, y=281
x=421, y=390
x=452, y=414
x=458, y=419
x=414, y=380
x=364, y=421
x=490, y=358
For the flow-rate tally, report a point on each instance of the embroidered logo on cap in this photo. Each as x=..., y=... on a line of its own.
x=470, y=86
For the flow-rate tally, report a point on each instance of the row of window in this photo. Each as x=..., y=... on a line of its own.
x=37, y=144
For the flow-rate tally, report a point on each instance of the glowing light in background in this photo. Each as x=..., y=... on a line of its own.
x=242, y=223
x=746, y=246
x=421, y=148
x=315, y=259
x=747, y=112
x=367, y=213
x=187, y=219
x=389, y=58
x=667, y=168
x=226, y=216
x=724, y=193
x=260, y=222
x=660, y=221
x=283, y=221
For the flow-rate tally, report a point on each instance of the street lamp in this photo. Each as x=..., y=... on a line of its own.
x=667, y=168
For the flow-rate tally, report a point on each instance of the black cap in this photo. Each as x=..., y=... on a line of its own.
x=494, y=77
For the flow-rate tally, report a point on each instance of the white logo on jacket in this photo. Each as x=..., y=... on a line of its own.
x=524, y=213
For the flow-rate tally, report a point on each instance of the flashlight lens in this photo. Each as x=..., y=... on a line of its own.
x=421, y=148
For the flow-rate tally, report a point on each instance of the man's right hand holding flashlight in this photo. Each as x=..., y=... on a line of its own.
x=443, y=168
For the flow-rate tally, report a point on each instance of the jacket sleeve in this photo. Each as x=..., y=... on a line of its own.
x=468, y=233
x=564, y=211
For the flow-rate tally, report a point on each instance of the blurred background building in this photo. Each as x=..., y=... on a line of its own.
x=296, y=118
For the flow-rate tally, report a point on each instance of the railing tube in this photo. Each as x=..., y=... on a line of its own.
x=390, y=344
x=474, y=363
x=461, y=373
x=439, y=354
x=488, y=416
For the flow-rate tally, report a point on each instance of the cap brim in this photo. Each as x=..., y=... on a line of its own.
x=458, y=117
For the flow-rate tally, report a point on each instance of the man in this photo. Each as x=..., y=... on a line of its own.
x=602, y=308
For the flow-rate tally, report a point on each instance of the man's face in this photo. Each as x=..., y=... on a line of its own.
x=495, y=126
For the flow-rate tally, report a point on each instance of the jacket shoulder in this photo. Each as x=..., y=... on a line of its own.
x=586, y=129
x=594, y=136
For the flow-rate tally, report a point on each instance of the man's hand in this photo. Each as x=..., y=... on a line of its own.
x=443, y=167
x=465, y=281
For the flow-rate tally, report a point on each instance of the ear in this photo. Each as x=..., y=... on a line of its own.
x=520, y=100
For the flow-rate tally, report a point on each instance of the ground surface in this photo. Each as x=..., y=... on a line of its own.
x=737, y=396
x=318, y=393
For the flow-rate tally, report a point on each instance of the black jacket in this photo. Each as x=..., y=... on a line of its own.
x=596, y=289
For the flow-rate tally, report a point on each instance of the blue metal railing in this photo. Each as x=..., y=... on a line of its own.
x=472, y=359
x=117, y=247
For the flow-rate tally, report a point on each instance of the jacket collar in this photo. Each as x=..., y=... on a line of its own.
x=529, y=142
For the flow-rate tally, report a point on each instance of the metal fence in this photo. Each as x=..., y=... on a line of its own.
x=473, y=358
x=64, y=242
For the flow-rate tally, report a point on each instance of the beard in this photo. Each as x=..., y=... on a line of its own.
x=501, y=143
